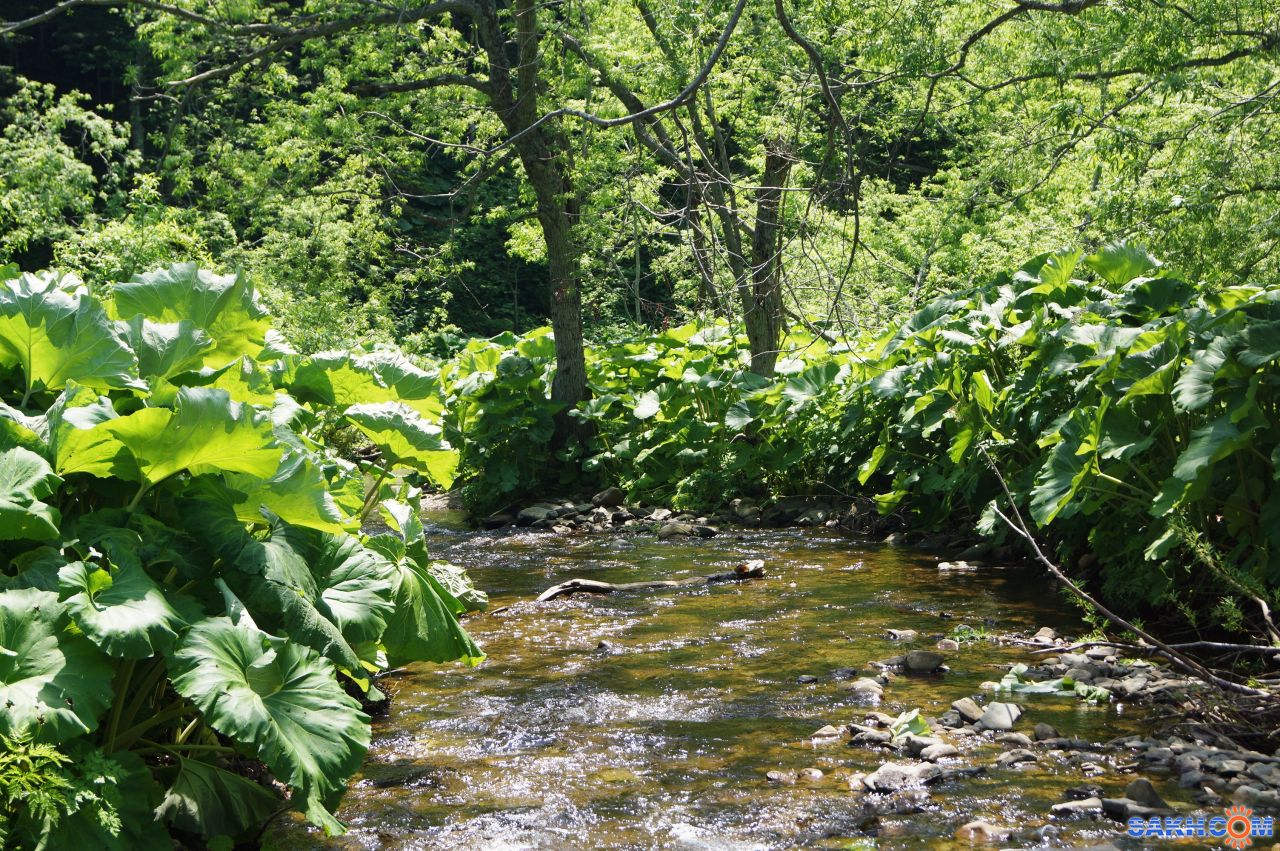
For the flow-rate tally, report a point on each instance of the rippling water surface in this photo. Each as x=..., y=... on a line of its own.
x=650, y=719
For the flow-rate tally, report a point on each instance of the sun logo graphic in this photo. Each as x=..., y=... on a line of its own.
x=1239, y=827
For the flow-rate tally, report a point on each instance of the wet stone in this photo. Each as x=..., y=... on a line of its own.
x=1141, y=791
x=1017, y=756
x=1000, y=716
x=894, y=776
x=923, y=661
x=942, y=750
x=982, y=831
x=1022, y=740
x=1043, y=731
x=968, y=709
x=1084, y=806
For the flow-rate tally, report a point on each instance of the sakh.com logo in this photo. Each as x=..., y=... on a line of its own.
x=1236, y=827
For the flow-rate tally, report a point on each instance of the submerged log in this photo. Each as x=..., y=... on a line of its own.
x=753, y=569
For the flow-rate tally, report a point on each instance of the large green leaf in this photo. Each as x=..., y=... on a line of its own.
x=406, y=438
x=281, y=700
x=1068, y=466
x=278, y=586
x=222, y=306
x=78, y=440
x=205, y=433
x=53, y=684
x=56, y=333
x=123, y=611
x=166, y=348
x=1119, y=262
x=423, y=626
x=25, y=479
x=211, y=801
x=354, y=585
x=297, y=494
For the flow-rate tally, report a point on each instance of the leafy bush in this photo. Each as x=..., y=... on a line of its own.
x=1133, y=414
x=188, y=603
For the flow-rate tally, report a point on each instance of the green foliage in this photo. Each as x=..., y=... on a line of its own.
x=181, y=574
x=1132, y=414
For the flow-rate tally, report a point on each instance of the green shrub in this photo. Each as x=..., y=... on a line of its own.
x=183, y=574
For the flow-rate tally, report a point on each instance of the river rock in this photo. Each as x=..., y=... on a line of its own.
x=1080, y=675
x=1192, y=779
x=1016, y=757
x=811, y=774
x=968, y=708
x=948, y=644
x=865, y=687
x=1225, y=765
x=942, y=750
x=1022, y=740
x=783, y=778
x=923, y=661
x=535, y=513
x=982, y=831
x=805, y=679
x=673, y=530
x=950, y=719
x=827, y=734
x=702, y=530
x=1084, y=806
x=1000, y=716
x=957, y=565
x=914, y=744
x=1043, y=731
x=1123, y=809
x=1045, y=635
x=611, y=497
x=893, y=776
x=1141, y=791
x=1267, y=773
x=903, y=635
x=497, y=521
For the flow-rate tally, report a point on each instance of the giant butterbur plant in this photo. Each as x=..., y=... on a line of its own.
x=188, y=603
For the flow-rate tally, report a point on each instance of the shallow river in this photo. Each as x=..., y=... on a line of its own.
x=662, y=737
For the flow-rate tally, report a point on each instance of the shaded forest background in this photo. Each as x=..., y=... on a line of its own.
x=361, y=178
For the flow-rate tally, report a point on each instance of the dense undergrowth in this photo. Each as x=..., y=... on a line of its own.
x=188, y=603
x=188, y=598
x=1133, y=414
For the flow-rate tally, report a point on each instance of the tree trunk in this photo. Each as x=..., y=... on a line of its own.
x=762, y=293
x=513, y=91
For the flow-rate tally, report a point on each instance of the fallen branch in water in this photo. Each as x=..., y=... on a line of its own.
x=753, y=569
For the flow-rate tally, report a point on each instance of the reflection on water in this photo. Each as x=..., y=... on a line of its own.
x=650, y=719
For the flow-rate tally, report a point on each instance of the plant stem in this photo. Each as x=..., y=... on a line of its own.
x=126, y=674
x=137, y=498
x=372, y=499
x=131, y=735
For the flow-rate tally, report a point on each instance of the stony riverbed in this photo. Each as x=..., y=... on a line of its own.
x=767, y=714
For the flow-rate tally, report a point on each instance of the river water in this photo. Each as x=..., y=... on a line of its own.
x=662, y=736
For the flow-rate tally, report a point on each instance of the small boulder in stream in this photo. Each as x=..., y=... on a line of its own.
x=982, y=831
x=674, y=530
x=968, y=708
x=1000, y=716
x=895, y=776
x=923, y=661
x=609, y=498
